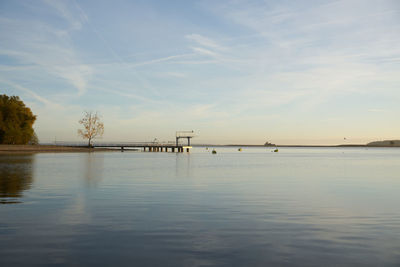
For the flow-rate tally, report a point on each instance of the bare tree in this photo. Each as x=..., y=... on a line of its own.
x=92, y=125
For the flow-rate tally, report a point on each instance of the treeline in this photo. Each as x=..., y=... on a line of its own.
x=385, y=143
x=16, y=121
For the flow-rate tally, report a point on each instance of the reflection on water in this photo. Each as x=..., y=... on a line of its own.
x=15, y=177
x=93, y=168
x=182, y=165
x=298, y=207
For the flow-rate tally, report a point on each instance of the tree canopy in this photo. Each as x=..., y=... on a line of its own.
x=16, y=121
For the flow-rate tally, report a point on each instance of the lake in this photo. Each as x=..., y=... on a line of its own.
x=297, y=207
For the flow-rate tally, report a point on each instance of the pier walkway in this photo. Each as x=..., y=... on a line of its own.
x=150, y=147
x=154, y=146
x=146, y=146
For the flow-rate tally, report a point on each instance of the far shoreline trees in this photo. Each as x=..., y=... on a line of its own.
x=92, y=126
x=16, y=121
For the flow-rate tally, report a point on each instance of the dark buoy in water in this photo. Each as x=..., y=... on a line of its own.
x=214, y=151
x=240, y=149
x=276, y=150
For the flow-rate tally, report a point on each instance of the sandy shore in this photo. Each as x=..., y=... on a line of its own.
x=46, y=148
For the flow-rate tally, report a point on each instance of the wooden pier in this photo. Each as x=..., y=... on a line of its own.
x=147, y=147
x=166, y=148
x=154, y=146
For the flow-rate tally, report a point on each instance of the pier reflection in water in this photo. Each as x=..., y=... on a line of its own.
x=307, y=207
x=16, y=176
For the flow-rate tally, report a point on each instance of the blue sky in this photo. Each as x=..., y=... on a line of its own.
x=288, y=72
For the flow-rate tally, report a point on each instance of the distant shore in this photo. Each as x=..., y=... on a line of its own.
x=332, y=146
x=243, y=145
x=46, y=148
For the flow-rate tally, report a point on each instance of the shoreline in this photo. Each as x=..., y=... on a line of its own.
x=14, y=149
x=6, y=149
x=299, y=146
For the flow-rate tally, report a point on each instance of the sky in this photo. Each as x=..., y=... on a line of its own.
x=235, y=72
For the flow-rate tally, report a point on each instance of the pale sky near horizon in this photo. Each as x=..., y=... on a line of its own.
x=240, y=71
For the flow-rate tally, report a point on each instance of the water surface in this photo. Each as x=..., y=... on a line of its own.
x=298, y=207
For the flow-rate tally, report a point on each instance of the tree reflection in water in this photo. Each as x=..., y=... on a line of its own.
x=16, y=176
x=93, y=166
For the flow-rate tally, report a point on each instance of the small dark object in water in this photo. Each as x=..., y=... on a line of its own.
x=214, y=151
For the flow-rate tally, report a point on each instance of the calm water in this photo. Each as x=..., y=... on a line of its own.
x=298, y=207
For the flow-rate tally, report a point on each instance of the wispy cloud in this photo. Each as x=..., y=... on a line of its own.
x=39, y=44
x=250, y=61
x=295, y=45
x=28, y=91
x=204, y=41
x=204, y=51
x=74, y=18
x=159, y=60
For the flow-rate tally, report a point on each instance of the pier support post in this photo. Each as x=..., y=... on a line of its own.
x=173, y=149
x=187, y=150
